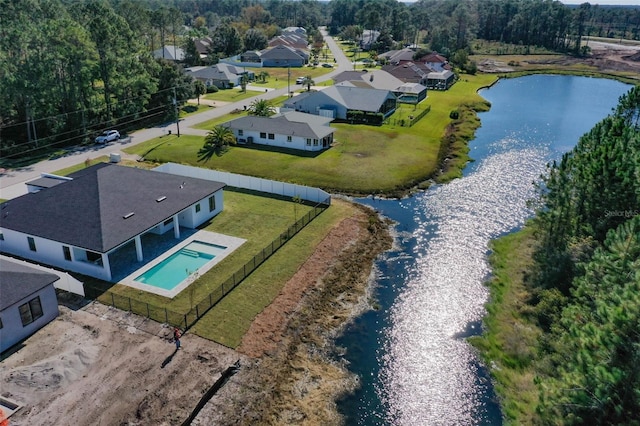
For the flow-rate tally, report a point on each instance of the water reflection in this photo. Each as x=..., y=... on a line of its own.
x=413, y=362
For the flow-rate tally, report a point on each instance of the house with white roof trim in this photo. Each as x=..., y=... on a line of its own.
x=80, y=223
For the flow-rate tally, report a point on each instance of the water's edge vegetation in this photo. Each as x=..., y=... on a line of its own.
x=561, y=334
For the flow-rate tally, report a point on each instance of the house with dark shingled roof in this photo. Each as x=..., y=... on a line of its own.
x=77, y=225
x=28, y=301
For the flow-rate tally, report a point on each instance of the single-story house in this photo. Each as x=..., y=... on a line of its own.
x=28, y=302
x=409, y=72
x=397, y=56
x=78, y=225
x=435, y=61
x=170, y=53
x=292, y=129
x=301, y=31
x=290, y=39
x=204, y=46
x=221, y=75
x=283, y=56
x=380, y=79
x=338, y=101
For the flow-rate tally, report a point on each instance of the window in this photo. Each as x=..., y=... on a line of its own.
x=271, y=136
x=30, y=311
x=308, y=142
x=263, y=135
x=1, y=236
x=212, y=203
x=315, y=142
x=32, y=243
x=1, y=326
x=198, y=208
x=288, y=138
x=240, y=132
x=67, y=253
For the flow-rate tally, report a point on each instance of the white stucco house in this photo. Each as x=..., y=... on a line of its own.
x=294, y=130
x=78, y=224
x=28, y=302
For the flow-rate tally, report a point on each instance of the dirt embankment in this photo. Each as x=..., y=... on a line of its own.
x=98, y=365
x=294, y=378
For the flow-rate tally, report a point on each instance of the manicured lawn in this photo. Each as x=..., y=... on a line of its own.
x=364, y=159
x=227, y=322
x=230, y=95
x=255, y=218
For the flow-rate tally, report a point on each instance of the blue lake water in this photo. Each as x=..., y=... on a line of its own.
x=413, y=362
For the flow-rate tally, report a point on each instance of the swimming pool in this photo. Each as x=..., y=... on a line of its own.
x=176, y=268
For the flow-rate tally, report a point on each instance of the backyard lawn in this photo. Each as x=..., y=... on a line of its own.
x=364, y=159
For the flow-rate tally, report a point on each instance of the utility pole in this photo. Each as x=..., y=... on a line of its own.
x=175, y=103
x=288, y=79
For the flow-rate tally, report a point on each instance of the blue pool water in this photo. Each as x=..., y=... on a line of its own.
x=177, y=267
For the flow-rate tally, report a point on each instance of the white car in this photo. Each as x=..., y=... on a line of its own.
x=108, y=136
x=300, y=80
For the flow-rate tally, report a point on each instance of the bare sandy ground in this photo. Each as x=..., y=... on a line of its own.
x=96, y=365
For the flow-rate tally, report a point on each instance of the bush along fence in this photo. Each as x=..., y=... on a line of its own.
x=410, y=120
x=188, y=319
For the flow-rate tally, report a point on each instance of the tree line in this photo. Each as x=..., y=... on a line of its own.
x=585, y=281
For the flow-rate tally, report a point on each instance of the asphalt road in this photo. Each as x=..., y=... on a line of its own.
x=12, y=182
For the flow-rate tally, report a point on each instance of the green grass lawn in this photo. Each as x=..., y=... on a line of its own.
x=255, y=218
x=228, y=321
x=510, y=337
x=364, y=159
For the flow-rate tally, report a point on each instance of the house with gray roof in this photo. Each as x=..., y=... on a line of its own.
x=293, y=130
x=345, y=103
x=283, y=56
x=28, y=301
x=79, y=224
x=382, y=80
x=170, y=53
x=221, y=75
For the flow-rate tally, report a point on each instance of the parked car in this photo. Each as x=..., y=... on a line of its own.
x=299, y=80
x=108, y=136
x=327, y=65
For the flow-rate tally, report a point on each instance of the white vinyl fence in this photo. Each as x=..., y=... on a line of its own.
x=306, y=193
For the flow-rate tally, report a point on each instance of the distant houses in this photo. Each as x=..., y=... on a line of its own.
x=169, y=53
x=293, y=130
x=431, y=70
x=221, y=75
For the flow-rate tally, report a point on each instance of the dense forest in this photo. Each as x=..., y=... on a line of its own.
x=69, y=69
x=584, y=286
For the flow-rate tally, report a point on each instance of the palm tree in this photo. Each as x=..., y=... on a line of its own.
x=308, y=81
x=261, y=108
x=216, y=143
x=262, y=76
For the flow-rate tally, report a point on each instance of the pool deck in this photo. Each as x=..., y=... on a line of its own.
x=231, y=244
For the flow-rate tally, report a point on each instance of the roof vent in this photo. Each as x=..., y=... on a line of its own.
x=128, y=215
x=161, y=199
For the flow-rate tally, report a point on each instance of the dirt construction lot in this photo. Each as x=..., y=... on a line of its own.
x=95, y=365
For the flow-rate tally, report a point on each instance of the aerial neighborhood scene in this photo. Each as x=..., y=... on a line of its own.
x=306, y=212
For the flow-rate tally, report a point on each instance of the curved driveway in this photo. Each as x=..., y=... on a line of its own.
x=12, y=182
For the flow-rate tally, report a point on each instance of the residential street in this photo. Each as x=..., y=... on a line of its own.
x=12, y=182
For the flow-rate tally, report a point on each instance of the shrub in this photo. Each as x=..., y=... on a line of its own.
x=212, y=89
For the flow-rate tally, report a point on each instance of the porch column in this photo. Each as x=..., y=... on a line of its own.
x=106, y=265
x=138, y=248
x=176, y=227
